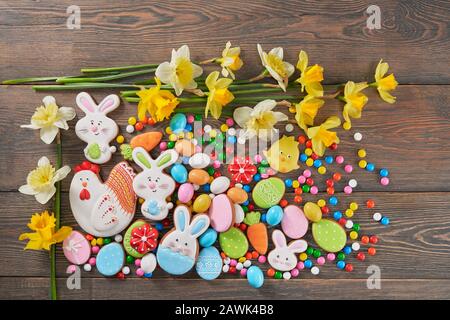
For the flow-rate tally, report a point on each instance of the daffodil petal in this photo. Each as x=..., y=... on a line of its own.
x=27, y=189
x=278, y=51
x=62, y=124
x=197, y=70
x=211, y=80
x=61, y=173
x=43, y=161
x=67, y=113
x=61, y=234
x=48, y=134
x=242, y=115
x=30, y=126
x=280, y=116
x=289, y=68
x=48, y=100
x=386, y=96
x=165, y=72
x=44, y=197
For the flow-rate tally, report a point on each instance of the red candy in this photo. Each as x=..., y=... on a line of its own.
x=373, y=239
x=301, y=139
x=337, y=176
x=370, y=204
x=360, y=256
x=349, y=267
x=372, y=251
x=365, y=239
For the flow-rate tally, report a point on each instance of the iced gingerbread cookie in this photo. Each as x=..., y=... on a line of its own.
x=283, y=257
x=283, y=155
x=178, y=249
x=103, y=209
x=152, y=184
x=76, y=248
x=140, y=239
x=95, y=128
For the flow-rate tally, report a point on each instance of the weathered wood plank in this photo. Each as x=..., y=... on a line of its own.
x=413, y=36
x=224, y=289
x=418, y=234
x=411, y=138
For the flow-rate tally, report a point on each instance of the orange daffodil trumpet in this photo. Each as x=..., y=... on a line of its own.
x=44, y=234
x=384, y=83
x=180, y=72
x=354, y=100
x=273, y=63
x=160, y=104
x=321, y=137
x=306, y=111
x=230, y=60
x=219, y=95
x=310, y=76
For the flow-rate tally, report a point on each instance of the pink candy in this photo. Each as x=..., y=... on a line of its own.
x=331, y=257
x=321, y=261
x=300, y=265
x=348, y=168
x=140, y=272
x=163, y=146
x=307, y=173
x=229, y=122
x=348, y=190
x=258, y=158
x=243, y=272
x=71, y=269
x=216, y=164
x=314, y=190
x=233, y=262
x=339, y=159
x=95, y=249
x=295, y=272
x=92, y=261
x=262, y=259
x=301, y=179
x=190, y=118
x=137, y=262
x=384, y=181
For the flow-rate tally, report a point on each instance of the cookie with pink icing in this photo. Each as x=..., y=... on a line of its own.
x=76, y=248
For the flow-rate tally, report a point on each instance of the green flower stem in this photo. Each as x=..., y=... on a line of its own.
x=341, y=98
x=120, y=69
x=105, y=78
x=236, y=100
x=57, y=212
x=28, y=80
x=238, y=92
x=78, y=86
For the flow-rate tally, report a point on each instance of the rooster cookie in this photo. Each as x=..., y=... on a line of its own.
x=103, y=209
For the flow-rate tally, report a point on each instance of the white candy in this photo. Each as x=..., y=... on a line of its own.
x=232, y=131
x=289, y=127
x=196, y=186
x=113, y=149
x=225, y=268
x=377, y=216
x=220, y=185
x=148, y=263
x=207, y=128
x=199, y=160
x=126, y=270
x=129, y=128
x=357, y=136
x=87, y=267
x=349, y=224
x=239, y=214
x=353, y=183
x=241, y=140
x=286, y=275
x=212, y=195
x=356, y=246
x=247, y=263
x=239, y=266
x=239, y=185
x=194, y=141
x=118, y=238
x=227, y=260
x=315, y=270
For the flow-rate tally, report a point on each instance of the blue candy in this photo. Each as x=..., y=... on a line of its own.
x=317, y=163
x=384, y=172
x=337, y=215
x=288, y=183
x=257, y=177
x=303, y=157
x=255, y=277
x=384, y=221
x=208, y=238
x=333, y=201
x=329, y=159
x=179, y=173
x=274, y=215
x=347, y=250
x=370, y=167
x=178, y=123
x=308, y=264
x=340, y=264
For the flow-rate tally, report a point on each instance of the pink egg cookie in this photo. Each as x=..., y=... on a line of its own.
x=221, y=213
x=294, y=222
x=76, y=248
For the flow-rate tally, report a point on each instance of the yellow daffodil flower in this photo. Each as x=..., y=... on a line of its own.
x=160, y=104
x=321, y=137
x=44, y=236
x=385, y=84
x=259, y=120
x=273, y=62
x=49, y=118
x=219, y=95
x=41, y=181
x=306, y=111
x=354, y=100
x=310, y=77
x=180, y=72
x=230, y=60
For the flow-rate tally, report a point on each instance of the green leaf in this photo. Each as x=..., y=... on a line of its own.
x=252, y=218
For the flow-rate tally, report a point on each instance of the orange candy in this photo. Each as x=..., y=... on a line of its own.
x=271, y=272
x=370, y=204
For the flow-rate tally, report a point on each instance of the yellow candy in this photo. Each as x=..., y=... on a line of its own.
x=308, y=151
x=100, y=241
x=295, y=184
x=168, y=130
x=141, y=201
x=347, y=126
x=361, y=153
x=321, y=203
x=189, y=135
x=242, y=259
x=309, y=162
x=173, y=137
x=132, y=121
x=120, y=139
x=349, y=213
x=213, y=133
x=202, y=203
x=322, y=170
x=292, y=110
x=312, y=212
x=224, y=128
x=353, y=235
x=93, y=242
x=354, y=206
x=362, y=164
x=303, y=256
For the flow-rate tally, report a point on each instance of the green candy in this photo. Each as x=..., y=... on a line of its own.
x=268, y=192
x=329, y=235
x=170, y=144
x=94, y=151
x=127, y=237
x=278, y=275
x=233, y=243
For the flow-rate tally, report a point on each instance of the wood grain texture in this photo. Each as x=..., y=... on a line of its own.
x=410, y=138
x=333, y=33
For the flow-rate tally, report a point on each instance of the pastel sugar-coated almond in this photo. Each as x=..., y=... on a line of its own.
x=221, y=213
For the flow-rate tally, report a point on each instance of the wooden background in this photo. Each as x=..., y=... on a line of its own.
x=411, y=138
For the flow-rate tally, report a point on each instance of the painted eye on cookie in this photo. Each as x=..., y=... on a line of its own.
x=186, y=244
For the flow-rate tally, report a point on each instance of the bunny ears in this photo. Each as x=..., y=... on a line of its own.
x=296, y=246
x=182, y=218
x=143, y=159
x=88, y=105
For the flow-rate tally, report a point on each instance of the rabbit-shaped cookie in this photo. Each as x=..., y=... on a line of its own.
x=178, y=249
x=95, y=128
x=283, y=257
x=152, y=184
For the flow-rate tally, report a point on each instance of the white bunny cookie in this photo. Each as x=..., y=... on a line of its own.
x=283, y=257
x=95, y=128
x=152, y=184
x=178, y=249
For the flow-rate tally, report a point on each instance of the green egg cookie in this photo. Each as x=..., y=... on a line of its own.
x=94, y=151
x=233, y=243
x=268, y=192
x=329, y=235
x=127, y=237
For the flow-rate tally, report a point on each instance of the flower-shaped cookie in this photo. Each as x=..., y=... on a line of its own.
x=144, y=238
x=242, y=170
